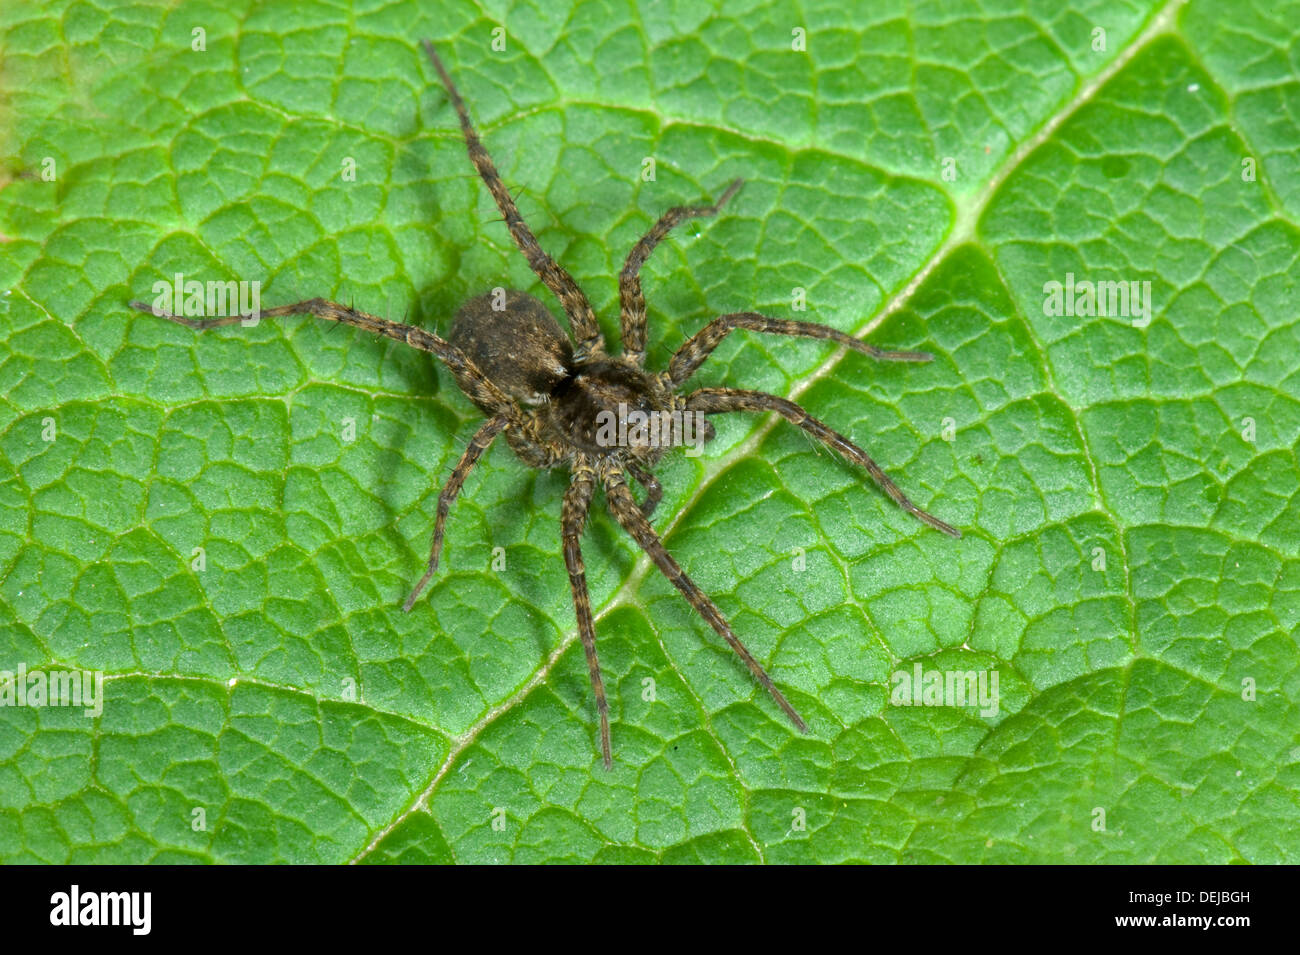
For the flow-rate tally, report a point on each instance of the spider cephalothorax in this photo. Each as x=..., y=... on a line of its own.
x=569, y=402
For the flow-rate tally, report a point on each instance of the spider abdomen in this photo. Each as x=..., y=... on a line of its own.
x=515, y=342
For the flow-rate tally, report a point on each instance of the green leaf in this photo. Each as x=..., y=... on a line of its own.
x=1129, y=493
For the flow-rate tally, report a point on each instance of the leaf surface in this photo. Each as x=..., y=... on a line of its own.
x=1129, y=494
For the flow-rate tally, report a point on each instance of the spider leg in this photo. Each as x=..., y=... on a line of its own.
x=582, y=319
x=472, y=381
x=577, y=500
x=693, y=354
x=632, y=302
x=654, y=491
x=716, y=400
x=625, y=511
x=477, y=445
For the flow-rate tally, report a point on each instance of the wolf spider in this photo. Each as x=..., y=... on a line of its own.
x=549, y=396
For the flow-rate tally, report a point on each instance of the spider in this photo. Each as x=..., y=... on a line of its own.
x=553, y=399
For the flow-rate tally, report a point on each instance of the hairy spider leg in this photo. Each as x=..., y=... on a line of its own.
x=654, y=491
x=692, y=354
x=577, y=501
x=623, y=507
x=582, y=319
x=631, y=300
x=479, y=443
x=719, y=400
x=472, y=381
